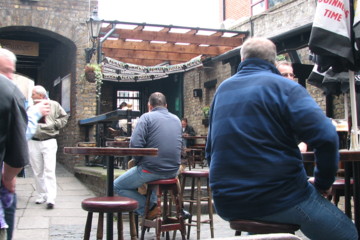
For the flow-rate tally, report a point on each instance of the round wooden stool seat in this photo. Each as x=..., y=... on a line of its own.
x=193, y=173
x=163, y=181
x=109, y=204
x=260, y=227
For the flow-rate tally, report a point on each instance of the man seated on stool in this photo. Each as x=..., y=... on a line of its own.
x=187, y=130
x=156, y=129
x=256, y=168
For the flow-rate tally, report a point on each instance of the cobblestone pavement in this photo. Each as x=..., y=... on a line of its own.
x=67, y=219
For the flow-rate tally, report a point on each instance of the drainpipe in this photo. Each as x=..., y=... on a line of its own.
x=224, y=10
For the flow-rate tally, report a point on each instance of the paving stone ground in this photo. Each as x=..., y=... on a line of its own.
x=67, y=219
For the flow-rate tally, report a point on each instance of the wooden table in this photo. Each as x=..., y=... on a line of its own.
x=351, y=160
x=196, y=151
x=121, y=144
x=110, y=151
x=195, y=137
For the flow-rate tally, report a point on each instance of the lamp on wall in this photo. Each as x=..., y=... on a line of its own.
x=197, y=92
x=94, y=26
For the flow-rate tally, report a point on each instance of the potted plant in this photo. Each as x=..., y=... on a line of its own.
x=92, y=73
x=206, y=111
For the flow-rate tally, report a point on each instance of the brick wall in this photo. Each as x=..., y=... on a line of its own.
x=273, y=22
x=196, y=79
x=276, y=21
x=236, y=9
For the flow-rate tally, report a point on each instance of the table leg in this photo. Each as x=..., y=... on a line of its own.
x=87, y=139
x=110, y=193
x=356, y=176
x=348, y=175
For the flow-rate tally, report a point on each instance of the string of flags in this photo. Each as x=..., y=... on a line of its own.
x=114, y=70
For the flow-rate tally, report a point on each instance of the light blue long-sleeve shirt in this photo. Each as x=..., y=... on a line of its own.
x=33, y=117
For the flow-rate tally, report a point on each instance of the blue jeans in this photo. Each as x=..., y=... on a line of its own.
x=10, y=218
x=126, y=185
x=318, y=218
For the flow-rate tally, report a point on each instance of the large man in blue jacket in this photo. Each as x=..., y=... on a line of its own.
x=256, y=169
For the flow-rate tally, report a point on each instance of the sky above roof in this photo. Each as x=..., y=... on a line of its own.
x=189, y=13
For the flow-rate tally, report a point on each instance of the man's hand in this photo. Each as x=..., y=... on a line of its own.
x=43, y=107
x=324, y=193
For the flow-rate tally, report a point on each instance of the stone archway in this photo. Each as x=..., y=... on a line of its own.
x=53, y=59
x=35, y=48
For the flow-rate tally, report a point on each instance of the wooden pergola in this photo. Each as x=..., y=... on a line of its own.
x=152, y=44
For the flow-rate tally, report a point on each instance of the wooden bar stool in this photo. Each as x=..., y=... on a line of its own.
x=164, y=222
x=338, y=189
x=109, y=205
x=260, y=227
x=196, y=177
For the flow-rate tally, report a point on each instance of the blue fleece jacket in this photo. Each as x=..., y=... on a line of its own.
x=256, y=117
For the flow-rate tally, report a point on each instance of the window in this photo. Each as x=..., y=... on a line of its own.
x=259, y=6
x=132, y=97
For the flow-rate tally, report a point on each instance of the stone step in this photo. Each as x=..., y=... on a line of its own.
x=95, y=179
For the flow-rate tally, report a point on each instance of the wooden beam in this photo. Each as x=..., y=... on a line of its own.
x=167, y=29
x=163, y=56
x=192, y=32
x=217, y=34
x=167, y=47
x=178, y=37
x=139, y=28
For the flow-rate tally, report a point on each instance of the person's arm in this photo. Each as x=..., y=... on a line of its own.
x=314, y=128
x=58, y=115
x=138, y=137
x=9, y=177
x=16, y=155
x=191, y=131
x=61, y=119
x=34, y=113
x=33, y=118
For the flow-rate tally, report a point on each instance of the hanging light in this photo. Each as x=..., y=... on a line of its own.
x=94, y=25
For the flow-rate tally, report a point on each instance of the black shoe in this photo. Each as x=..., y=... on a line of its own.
x=50, y=206
x=185, y=214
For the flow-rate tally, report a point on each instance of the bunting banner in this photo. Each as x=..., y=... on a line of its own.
x=132, y=78
x=114, y=70
x=331, y=30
